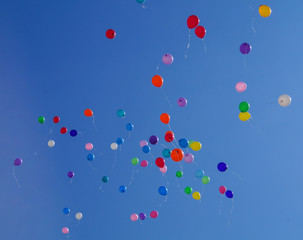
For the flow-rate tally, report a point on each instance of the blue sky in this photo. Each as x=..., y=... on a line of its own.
x=56, y=60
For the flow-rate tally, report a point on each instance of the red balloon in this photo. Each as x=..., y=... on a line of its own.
x=160, y=162
x=192, y=21
x=222, y=189
x=56, y=119
x=200, y=31
x=110, y=34
x=63, y=130
x=169, y=137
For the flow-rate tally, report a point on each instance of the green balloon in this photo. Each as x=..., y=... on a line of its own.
x=190, y=142
x=188, y=190
x=41, y=119
x=135, y=161
x=244, y=106
x=205, y=179
x=179, y=174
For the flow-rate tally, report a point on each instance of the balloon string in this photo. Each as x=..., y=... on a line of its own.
x=188, y=45
x=16, y=178
x=245, y=67
x=115, y=160
x=132, y=177
x=96, y=130
x=163, y=145
x=165, y=95
x=236, y=174
x=253, y=19
x=204, y=45
x=231, y=211
x=220, y=207
x=92, y=167
x=158, y=66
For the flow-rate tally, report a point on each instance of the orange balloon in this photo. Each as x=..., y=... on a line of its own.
x=170, y=133
x=88, y=112
x=157, y=81
x=165, y=118
x=177, y=155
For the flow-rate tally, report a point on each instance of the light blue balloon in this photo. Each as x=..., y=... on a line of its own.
x=121, y=113
x=166, y=153
x=140, y=1
x=199, y=173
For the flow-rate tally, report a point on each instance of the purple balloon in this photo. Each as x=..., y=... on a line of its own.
x=17, y=162
x=167, y=59
x=70, y=174
x=142, y=216
x=245, y=48
x=182, y=102
x=153, y=140
x=188, y=157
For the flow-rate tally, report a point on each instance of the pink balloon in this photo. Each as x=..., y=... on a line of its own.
x=167, y=59
x=144, y=163
x=241, y=86
x=89, y=146
x=164, y=169
x=65, y=230
x=143, y=143
x=189, y=158
x=222, y=189
x=154, y=214
x=134, y=217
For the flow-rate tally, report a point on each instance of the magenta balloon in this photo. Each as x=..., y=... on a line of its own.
x=241, y=86
x=144, y=163
x=17, y=162
x=222, y=189
x=182, y=102
x=154, y=214
x=167, y=59
x=134, y=217
x=188, y=157
x=164, y=169
x=143, y=143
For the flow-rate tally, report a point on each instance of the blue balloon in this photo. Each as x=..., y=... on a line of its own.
x=222, y=167
x=73, y=133
x=199, y=173
x=121, y=113
x=90, y=157
x=129, y=127
x=120, y=141
x=229, y=194
x=146, y=149
x=166, y=153
x=162, y=190
x=183, y=143
x=122, y=189
x=66, y=210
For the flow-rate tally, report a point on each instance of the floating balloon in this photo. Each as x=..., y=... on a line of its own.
x=244, y=116
x=17, y=162
x=169, y=137
x=122, y=189
x=88, y=112
x=196, y=195
x=114, y=146
x=200, y=31
x=70, y=174
x=129, y=127
x=264, y=10
x=78, y=216
x=41, y=119
x=146, y=149
x=157, y=81
x=284, y=100
x=188, y=157
x=188, y=190
x=140, y=1
x=134, y=217
x=144, y=163
x=66, y=210
x=135, y=161
x=192, y=21
x=244, y=106
x=196, y=146
x=154, y=214
x=183, y=143
x=90, y=157
x=167, y=59
x=205, y=179
x=190, y=143
x=162, y=190
x=63, y=130
x=164, y=169
x=73, y=133
x=165, y=118
x=120, y=141
x=245, y=48
x=229, y=194
x=222, y=167
x=51, y=143
x=65, y=230
x=56, y=119
x=142, y=216
x=222, y=189
x=160, y=162
x=121, y=113
x=199, y=173
x=182, y=102
x=143, y=143
x=89, y=146
x=110, y=34
x=241, y=86
x=179, y=174
x=105, y=179
x=166, y=153
x=177, y=155
x=153, y=140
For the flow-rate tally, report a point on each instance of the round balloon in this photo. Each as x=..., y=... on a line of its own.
x=245, y=48
x=73, y=133
x=154, y=214
x=229, y=194
x=284, y=100
x=182, y=102
x=114, y=146
x=63, y=130
x=165, y=118
x=166, y=153
x=160, y=162
x=65, y=230
x=167, y=59
x=188, y=157
x=88, y=112
x=157, y=81
x=56, y=119
x=222, y=167
x=144, y=163
x=244, y=116
x=89, y=146
x=200, y=32
x=146, y=149
x=110, y=34
x=122, y=189
x=135, y=161
x=199, y=173
x=41, y=119
x=169, y=137
x=188, y=190
x=120, y=141
x=196, y=146
x=66, y=211
x=241, y=86
x=105, y=179
x=17, y=162
x=179, y=174
x=244, y=106
x=90, y=157
x=205, y=179
x=196, y=195
x=177, y=155
x=129, y=127
x=143, y=143
x=264, y=10
x=183, y=143
x=70, y=174
x=51, y=143
x=192, y=21
x=134, y=217
x=153, y=140
x=222, y=189
x=121, y=113
x=164, y=169
x=142, y=216
x=78, y=216
x=162, y=190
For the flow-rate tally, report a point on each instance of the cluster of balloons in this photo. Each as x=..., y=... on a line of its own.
x=244, y=115
x=228, y=193
x=78, y=216
x=134, y=217
x=192, y=22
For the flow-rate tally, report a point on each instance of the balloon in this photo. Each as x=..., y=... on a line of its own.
x=90, y=157
x=166, y=153
x=143, y=143
x=182, y=102
x=105, y=179
x=63, y=130
x=160, y=162
x=244, y=116
x=154, y=214
x=244, y=106
x=229, y=194
x=199, y=173
x=179, y=174
x=135, y=161
x=284, y=100
x=245, y=48
x=222, y=167
x=188, y=157
x=121, y=113
x=222, y=189
x=134, y=217
x=200, y=31
x=157, y=81
x=41, y=119
x=190, y=143
x=167, y=59
x=183, y=143
x=66, y=210
x=73, y=133
x=114, y=146
x=188, y=190
x=241, y=86
x=196, y=195
x=120, y=141
x=78, y=216
x=18, y=162
x=129, y=127
x=110, y=34
x=140, y=1
x=177, y=155
x=164, y=169
x=169, y=137
x=162, y=190
x=192, y=21
x=142, y=216
x=264, y=11
x=89, y=146
x=153, y=140
x=196, y=146
x=122, y=189
x=205, y=179
x=51, y=143
x=144, y=163
x=70, y=174
x=88, y=112
x=165, y=118
x=146, y=149
x=65, y=230
x=56, y=119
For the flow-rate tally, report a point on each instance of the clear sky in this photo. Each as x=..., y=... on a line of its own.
x=56, y=60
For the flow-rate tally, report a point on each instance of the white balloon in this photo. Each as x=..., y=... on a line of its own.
x=114, y=146
x=284, y=100
x=79, y=215
x=51, y=143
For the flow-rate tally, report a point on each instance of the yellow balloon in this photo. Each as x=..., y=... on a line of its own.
x=244, y=116
x=196, y=146
x=196, y=195
x=264, y=11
